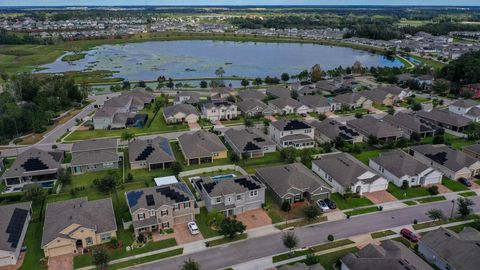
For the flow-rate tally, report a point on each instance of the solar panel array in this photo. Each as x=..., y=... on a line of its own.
x=251, y=147
x=145, y=153
x=348, y=131
x=259, y=139
x=172, y=194
x=133, y=197
x=295, y=124
x=440, y=158
x=209, y=186
x=15, y=226
x=250, y=185
x=34, y=164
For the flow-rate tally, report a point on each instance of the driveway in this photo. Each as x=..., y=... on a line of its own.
x=63, y=262
x=182, y=234
x=194, y=126
x=16, y=266
x=379, y=197
x=442, y=189
x=254, y=218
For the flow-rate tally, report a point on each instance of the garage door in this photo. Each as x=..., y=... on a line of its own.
x=5, y=261
x=378, y=187
x=57, y=251
x=183, y=219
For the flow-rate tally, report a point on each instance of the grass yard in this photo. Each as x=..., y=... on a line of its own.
x=202, y=222
x=151, y=258
x=453, y=185
x=226, y=240
x=366, y=155
x=381, y=234
x=302, y=223
x=429, y=224
x=33, y=240
x=275, y=212
x=314, y=249
x=432, y=199
x=410, y=203
x=349, y=203
x=468, y=194
x=362, y=211
x=408, y=193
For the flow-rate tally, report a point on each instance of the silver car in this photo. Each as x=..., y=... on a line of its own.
x=323, y=206
x=193, y=228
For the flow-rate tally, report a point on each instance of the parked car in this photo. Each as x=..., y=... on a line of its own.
x=465, y=182
x=193, y=228
x=409, y=235
x=331, y=204
x=323, y=206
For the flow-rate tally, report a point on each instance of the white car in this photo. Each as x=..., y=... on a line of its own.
x=193, y=228
x=323, y=206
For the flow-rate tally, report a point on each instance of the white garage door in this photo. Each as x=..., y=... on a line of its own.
x=432, y=180
x=378, y=187
x=57, y=251
x=5, y=261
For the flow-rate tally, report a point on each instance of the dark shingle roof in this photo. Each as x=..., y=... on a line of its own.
x=12, y=221
x=400, y=163
x=155, y=150
x=200, y=144
x=34, y=161
x=155, y=197
x=291, y=124
x=447, y=156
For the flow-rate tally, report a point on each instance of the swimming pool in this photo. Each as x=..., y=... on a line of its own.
x=223, y=177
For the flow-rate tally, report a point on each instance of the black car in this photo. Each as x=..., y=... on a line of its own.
x=331, y=204
x=465, y=182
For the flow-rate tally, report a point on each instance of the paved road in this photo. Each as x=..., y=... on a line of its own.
x=219, y=258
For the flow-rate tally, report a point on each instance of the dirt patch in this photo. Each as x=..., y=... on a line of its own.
x=254, y=218
x=379, y=197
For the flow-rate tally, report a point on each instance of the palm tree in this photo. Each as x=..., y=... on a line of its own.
x=127, y=136
x=190, y=265
x=220, y=72
x=290, y=241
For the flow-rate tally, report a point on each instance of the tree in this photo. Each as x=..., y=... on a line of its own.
x=231, y=227
x=464, y=206
x=433, y=190
x=114, y=243
x=32, y=191
x=127, y=136
x=372, y=140
x=316, y=74
x=190, y=265
x=176, y=167
x=358, y=115
x=100, y=257
x=416, y=107
x=245, y=83
x=435, y=214
x=306, y=156
x=438, y=139
x=285, y=77
x=286, y=206
x=311, y=212
x=288, y=154
x=405, y=184
x=64, y=176
x=125, y=85
x=129, y=177
x=391, y=110
x=142, y=84
x=219, y=72
x=234, y=158
x=161, y=79
x=441, y=87
x=258, y=81
x=170, y=83
x=303, y=75
x=290, y=240
x=105, y=184
x=203, y=84
x=215, y=218
x=248, y=122
x=311, y=259
x=322, y=116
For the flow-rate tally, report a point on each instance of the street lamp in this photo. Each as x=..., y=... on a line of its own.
x=453, y=207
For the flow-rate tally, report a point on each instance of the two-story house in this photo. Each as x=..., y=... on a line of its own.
x=292, y=133
x=161, y=207
x=287, y=105
x=231, y=196
x=219, y=110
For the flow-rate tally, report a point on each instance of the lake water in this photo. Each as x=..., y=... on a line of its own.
x=200, y=58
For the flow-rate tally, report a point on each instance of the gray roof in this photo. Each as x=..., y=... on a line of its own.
x=236, y=185
x=475, y=148
x=387, y=255
x=301, y=266
x=200, y=144
x=290, y=124
x=251, y=94
x=194, y=97
x=248, y=139
x=345, y=169
x=347, y=98
x=285, y=101
x=218, y=103
x=464, y=103
x=391, y=89
x=136, y=97
x=460, y=250
x=377, y=95
x=155, y=150
x=474, y=112
x=410, y=122
x=278, y=91
x=94, y=152
x=6, y=213
x=333, y=129
x=400, y=163
x=34, y=161
x=324, y=85
x=314, y=101
x=223, y=91
x=404, y=77
x=248, y=105
x=447, y=156
x=369, y=125
x=187, y=109
x=169, y=194
x=281, y=179
x=445, y=116
x=97, y=215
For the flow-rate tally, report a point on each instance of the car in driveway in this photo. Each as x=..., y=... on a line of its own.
x=193, y=228
x=323, y=206
x=465, y=182
x=331, y=204
x=409, y=235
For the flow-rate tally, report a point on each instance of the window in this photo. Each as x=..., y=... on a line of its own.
x=165, y=225
x=253, y=193
x=176, y=206
x=105, y=237
x=141, y=216
x=229, y=199
x=186, y=205
x=152, y=213
x=89, y=241
x=218, y=200
x=239, y=197
x=164, y=213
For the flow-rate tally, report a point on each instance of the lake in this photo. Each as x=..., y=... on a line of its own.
x=200, y=58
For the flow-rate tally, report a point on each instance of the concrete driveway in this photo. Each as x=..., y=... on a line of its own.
x=63, y=262
x=380, y=197
x=254, y=218
x=182, y=234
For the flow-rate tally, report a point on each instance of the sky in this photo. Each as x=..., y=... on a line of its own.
x=236, y=2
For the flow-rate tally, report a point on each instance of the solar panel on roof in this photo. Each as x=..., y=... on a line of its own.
x=247, y=183
x=295, y=124
x=209, y=186
x=34, y=164
x=150, y=200
x=172, y=194
x=133, y=197
x=258, y=139
x=145, y=153
x=15, y=226
x=438, y=157
x=251, y=147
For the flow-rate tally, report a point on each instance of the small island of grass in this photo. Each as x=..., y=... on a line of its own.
x=73, y=57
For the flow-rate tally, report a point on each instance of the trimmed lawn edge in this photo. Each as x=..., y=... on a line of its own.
x=225, y=240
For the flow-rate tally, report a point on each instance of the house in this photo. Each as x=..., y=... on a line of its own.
x=251, y=94
x=329, y=130
x=187, y=97
x=34, y=166
x=467, y=108
x=231, y=196
x=181, y=113
x=162, y=207
x=390, y=254
x=301, y=266
x=13, y=227
x=445, y=119
x=293, y=183
x=154, y=153
x=378, y=96
x=121, y=111
x=473, y=88
x=254, y=108
x=278, y=91
x=411, y=125
x=451, y=162
x=219, y=110
x=404, y=78
x=370, y=126
x=472, y=150
x=94, y=155
x=425, y=79
x=222, y=93
x=347, y=174
x=288, y=105
x=353, y=101
x=397, y=167
x=201, y=147
x=397, y=92
x=292, y=133
x=327, y=87
x=251, y=142
x=447, y=249
x=76, y=224
x=319, y=104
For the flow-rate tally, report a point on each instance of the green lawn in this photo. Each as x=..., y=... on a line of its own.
x=362, y=211
x=408, y=193
x=226, y=240
x=349, y=203
x=410, y=203
x=432, y=199
x=272, y=208
x=429, y=224
x=421, y=99
x=202, y=222
x=33, y=240
x=317, y=248
x=381, y=234
x=151, y=258
x=468, y=194
x=453, y=185
x=366, y=155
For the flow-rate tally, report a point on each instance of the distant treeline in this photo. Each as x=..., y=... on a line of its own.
x=7, y=38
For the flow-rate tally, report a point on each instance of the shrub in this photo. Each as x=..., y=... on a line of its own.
x=433, y=190
x=311, y=212
x=330, y=238
x=286, y=206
